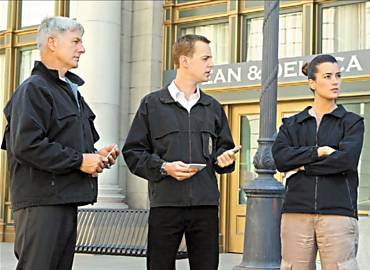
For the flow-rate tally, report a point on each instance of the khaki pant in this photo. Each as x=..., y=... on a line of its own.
x=335, y=237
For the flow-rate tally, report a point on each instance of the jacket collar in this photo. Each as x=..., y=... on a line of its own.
x=339, y=112
x=166, y=97
x=40, y=69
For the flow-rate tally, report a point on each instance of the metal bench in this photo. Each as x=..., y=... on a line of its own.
x=115, y=232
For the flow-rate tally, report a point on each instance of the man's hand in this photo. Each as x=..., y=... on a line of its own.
x=228, y=157
x=323, y=151
x=111, y=152
x=179, y=170
x=93, y=164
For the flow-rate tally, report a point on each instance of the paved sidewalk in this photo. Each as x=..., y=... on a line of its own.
x=227, y=260
x=106, y=262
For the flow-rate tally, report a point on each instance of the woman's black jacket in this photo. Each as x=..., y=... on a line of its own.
x=328, y=185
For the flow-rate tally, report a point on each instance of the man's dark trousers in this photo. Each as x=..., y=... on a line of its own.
x=166, y=228
x=45, y=237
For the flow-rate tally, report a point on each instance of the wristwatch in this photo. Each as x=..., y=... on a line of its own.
x=163, y=170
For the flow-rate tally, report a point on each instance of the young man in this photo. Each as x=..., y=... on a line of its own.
x=49, y=140
x=174, y=127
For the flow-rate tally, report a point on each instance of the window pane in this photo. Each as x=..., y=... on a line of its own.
x=255, y=39
x=34, y=11
x=249, y=132
x=218, y=35
x=290, y=36
x=3, y=14
x=363, y=109
x=27, y=60
x=346, y=28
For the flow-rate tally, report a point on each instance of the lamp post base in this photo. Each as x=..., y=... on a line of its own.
x=262, y=227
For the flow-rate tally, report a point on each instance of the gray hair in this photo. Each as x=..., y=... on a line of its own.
x=51, y=26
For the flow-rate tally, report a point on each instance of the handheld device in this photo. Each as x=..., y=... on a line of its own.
x=111, y=151
x=198, y=166
x=108, y=165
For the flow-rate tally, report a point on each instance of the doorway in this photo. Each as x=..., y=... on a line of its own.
x=245, y=130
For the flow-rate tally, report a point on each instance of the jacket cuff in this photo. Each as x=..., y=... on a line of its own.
x=156, y=165
x=314, y=154
x=315, y=157
x=227, y=169
x=77, y=160
x=307, y=169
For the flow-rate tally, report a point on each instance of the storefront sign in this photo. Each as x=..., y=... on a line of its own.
x=354, y=63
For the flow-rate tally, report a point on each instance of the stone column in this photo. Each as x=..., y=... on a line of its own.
x=126, y=51
x=146, y=70
x=100, y=68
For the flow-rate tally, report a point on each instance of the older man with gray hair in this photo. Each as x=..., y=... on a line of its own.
x=52, y=162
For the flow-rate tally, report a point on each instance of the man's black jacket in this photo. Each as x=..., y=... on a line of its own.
x=328, y=185
x=163, y=130
x=45, y=137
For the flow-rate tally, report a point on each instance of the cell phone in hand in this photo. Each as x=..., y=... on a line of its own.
x=199, y=166
x=108, y=165
x=111, y=151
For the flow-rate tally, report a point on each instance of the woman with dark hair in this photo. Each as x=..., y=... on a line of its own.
x=318, y=149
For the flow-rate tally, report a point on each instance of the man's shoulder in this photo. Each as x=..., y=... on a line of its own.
x=156, y=95
x=209, y=98
x=209, y=101
x=31, y=83
x=34, y=89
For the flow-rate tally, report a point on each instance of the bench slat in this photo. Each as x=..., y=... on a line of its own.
x=115, y=232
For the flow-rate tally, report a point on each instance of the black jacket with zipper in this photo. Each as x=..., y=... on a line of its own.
x=328, y=185
x=163, y=130
x=45, y=137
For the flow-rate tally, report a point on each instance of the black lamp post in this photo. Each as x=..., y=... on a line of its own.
x=265, y=193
